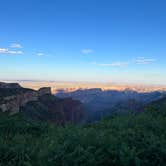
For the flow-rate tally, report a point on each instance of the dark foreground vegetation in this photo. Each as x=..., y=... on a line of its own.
x=122, y=140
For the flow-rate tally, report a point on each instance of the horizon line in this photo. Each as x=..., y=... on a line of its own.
x=90, y=82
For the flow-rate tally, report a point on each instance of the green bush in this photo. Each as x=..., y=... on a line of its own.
x=122, y=140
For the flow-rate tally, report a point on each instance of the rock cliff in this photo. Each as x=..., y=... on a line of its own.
x=44, y=90
x=13, y=96
x=9, y=85
x=39, y=105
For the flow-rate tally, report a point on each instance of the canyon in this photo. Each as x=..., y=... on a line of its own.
x=39, y=104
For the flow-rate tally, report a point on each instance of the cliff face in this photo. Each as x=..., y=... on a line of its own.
x=12, y=100
x=39, y=105
x=43, y=91
x=52, y=109
x=9, y=85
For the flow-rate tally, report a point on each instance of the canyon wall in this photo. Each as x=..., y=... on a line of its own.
x=13, y=102
x=39, y=105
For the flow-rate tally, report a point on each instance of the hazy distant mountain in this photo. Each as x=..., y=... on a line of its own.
x=77, y=106
x=100, y=103
x=70, y=86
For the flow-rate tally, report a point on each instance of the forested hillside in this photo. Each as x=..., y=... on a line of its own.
x=121, y=140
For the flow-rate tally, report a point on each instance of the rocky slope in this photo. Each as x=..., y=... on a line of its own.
x=158, y=106
x=51, y=109
x=99, y=103
x=39, y=105
x=98, y=100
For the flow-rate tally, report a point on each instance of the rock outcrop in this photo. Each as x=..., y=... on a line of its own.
x=39, y=105
x=44, y=90
x=9, y=85
x=13, y=103
x=52, y=109
x=13, y=96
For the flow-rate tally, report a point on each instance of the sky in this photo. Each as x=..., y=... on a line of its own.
x=83, y=40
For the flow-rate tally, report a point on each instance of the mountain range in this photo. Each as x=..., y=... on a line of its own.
x=99, y=103
x=80, y=106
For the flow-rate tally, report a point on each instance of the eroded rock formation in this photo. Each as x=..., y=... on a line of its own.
x=39, y=105
x=44, y=90
x=13, y=96
x=9, y=85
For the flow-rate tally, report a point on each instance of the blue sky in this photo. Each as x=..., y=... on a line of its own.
x=83, y=40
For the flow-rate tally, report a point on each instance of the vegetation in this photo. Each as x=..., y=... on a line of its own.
x=121, y=140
